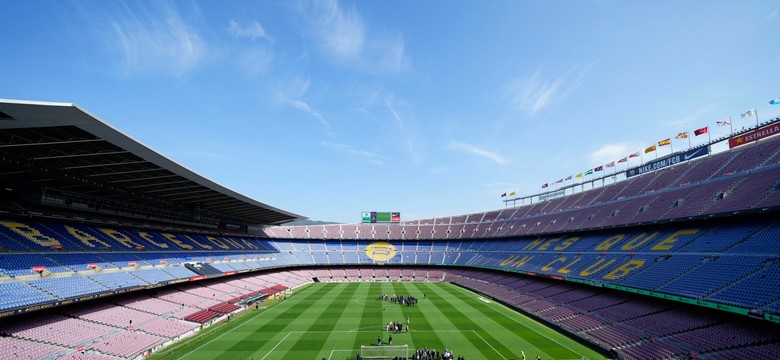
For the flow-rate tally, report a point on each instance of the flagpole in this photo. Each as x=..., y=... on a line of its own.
x=755, y=111
x=689, y=140
x=731, y=127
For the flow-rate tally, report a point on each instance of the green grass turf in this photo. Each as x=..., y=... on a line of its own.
x=333, y=320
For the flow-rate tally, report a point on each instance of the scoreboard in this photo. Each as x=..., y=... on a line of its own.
x=380, y=217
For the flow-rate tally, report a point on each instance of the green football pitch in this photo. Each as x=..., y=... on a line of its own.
x=332, y=321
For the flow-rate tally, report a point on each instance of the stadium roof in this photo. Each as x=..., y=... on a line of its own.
x=62, y=146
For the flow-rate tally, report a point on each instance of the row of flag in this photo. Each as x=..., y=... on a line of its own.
x=665, y=142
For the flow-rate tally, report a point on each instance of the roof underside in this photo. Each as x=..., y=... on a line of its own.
x=60, y=146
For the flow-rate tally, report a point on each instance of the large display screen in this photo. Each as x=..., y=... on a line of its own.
x=380, y=217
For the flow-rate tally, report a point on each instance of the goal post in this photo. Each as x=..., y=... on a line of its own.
x=384, y=352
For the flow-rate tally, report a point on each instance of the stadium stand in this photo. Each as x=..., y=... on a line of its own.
x=674, y=262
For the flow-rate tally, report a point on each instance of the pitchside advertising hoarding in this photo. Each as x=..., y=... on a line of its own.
x=669, y=161
x=380, y=217
x=755, y=135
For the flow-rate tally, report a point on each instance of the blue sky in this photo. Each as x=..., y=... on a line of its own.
x=430, y=108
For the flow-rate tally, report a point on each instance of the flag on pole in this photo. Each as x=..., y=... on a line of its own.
x=665, y=142
x=634, y=155
x=748, y=113
x=503, y=195
x=544, y=185
x=723, y=123
x=682, y=135
x=775, y=101
x=559, y=181
x=512, y=193
x=598, y=168
x=578, y=175
x=589, y=172
x=701, y=131
x=568, y=178
x=611, y=164
x=625, y=159
x=650, y=149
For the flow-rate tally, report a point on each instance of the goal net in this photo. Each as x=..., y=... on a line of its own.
x=384, y=352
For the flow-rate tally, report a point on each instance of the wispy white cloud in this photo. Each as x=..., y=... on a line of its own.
x=255, y=61
x=252, y=30
x=475, y=150
x=344, y=36
x=773, y=14
x=368, y=156
x=612, y=152
x=539, y=91
x=292, y=94
x=697, y=115
x=157, y=39
x=411, y=140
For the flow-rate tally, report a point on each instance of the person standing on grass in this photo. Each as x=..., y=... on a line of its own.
x=379, y=340
x=390, y=340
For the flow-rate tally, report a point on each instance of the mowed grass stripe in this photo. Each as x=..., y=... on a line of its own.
x=312, y=327
x=399, y=313
x=264, y=334
x=493, y=336
x=346, y=332
x=241, y=340
x=422, y=325
x=537, y=338
x=343, y=329
x=449, y=309
x=370, y=318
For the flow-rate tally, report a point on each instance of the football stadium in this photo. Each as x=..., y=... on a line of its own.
x=111, y=250
x=427, y=180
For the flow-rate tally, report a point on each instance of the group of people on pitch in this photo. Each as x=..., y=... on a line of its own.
x=396, y=327
x=431, y=354
x=399, y=299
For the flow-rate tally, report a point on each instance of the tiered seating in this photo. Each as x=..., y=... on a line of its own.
x=632, y=327
x=202, y=316
x=117, y=280
x=16, y=295
x=15, y=349
x=58, y=330
x=167, y=328
x=113, y=315
x=224, y=308
x=127, y=343
x=149, y=304
x=69, y=286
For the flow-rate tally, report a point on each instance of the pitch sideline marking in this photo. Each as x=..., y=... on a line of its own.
x=488, y=344
x=277, y=344
x=223, y=334
x=532, y=329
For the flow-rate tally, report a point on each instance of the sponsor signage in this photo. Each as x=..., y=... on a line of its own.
x=196, y=278
x=38, y=268
x=755, y=135
x=668, y=161
x=230, y=273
